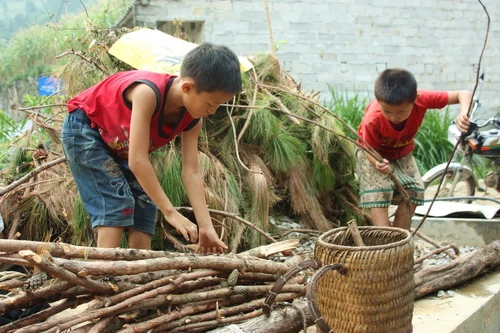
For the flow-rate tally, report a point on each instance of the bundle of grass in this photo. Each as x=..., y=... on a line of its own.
x=273, y=137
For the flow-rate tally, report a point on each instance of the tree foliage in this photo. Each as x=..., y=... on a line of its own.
x=20, y=14
x=35, y=50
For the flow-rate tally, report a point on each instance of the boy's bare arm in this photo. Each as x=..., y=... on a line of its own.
x=143, y=105
x=464, y=98
x=192, y=178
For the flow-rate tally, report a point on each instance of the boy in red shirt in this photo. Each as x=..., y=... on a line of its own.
x=113, y=126
x=389, y=125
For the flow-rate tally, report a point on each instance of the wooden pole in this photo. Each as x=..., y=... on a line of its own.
x=353, y=229
x=272, y=46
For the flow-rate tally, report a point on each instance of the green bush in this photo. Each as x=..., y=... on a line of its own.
x=431, y=143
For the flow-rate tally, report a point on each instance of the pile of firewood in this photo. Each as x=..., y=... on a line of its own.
x=128, y=290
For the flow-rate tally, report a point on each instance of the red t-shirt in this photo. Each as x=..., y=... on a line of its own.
x=105, y=105
x=389, y=142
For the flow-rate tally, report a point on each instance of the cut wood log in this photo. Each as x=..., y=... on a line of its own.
x=44, y=314
x=353, y=229
x=288, y=319
x=265, y=251
x=223, y=263
x=458, y=271
x=64, y=250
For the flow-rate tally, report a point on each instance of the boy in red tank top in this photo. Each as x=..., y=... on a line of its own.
x=389, y=125
x=113, y=126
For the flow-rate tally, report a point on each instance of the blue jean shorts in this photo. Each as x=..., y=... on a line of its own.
x=109, y=190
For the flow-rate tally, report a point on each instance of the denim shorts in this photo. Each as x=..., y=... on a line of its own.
x=379, y=190
x=109, y=190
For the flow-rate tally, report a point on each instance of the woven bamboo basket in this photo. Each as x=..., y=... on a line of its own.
x=377, y=293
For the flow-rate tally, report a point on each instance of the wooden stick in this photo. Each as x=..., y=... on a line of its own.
x=31, y=174
x=11, y=247
x=268, y=19
x=353, y=229
x=430, y=254
x=44, y=263
x=266, y=251
x=223, y=263
x=436, y=244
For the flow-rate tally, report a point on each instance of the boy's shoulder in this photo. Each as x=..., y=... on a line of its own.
x=427, y=92
x=432, y=98
x=126, y=77
x=372, y=106
x=140, y=72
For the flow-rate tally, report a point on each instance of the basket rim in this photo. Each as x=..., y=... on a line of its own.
x=323, y=243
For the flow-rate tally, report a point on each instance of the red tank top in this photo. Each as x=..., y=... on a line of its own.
x=108, y=111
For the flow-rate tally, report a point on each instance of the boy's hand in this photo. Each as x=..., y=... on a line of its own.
x=383, y=167
x=183, y=225
x=463, y=122
x=210, y=242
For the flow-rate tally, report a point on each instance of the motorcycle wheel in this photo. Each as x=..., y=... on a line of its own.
x=465, y=187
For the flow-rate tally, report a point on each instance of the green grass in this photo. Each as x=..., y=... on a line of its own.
x=431, y=143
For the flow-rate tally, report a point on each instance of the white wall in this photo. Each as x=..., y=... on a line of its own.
x=346, y=43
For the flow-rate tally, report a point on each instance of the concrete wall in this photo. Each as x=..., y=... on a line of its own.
x=346, y=43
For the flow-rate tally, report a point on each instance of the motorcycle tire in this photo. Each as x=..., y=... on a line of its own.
x=465, y=187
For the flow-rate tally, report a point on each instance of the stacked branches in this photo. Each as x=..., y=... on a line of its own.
x=124, y=290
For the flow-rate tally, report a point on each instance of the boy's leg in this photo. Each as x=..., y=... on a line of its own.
x=145, y=212
x=406, y=171
x=103, y=188
x=138, y=239
x=376, y=190
x=403, y=215
x=380, y=216
x=109, y=237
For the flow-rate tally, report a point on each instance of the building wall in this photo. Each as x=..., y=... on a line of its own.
x=346, y=43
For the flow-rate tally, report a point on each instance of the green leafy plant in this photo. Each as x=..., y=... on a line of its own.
x=9, y=128
x=431, y=143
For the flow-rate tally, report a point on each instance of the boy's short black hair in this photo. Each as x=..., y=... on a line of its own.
x=213, y=68
x=395, y=86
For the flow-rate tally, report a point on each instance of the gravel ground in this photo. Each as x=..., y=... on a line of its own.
x=308, y=241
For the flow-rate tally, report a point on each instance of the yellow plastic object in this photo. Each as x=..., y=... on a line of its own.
x=156, y=51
